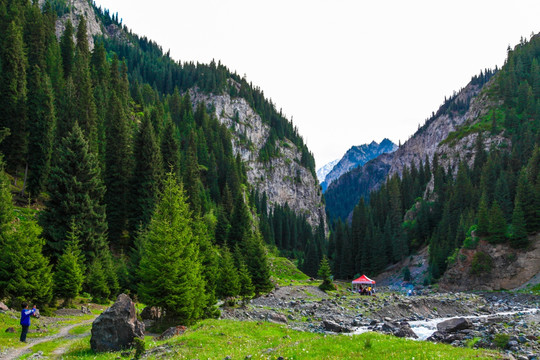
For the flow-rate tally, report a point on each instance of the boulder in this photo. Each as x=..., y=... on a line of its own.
x=335, y=327
x=277, y=318
x=151, y=313
x=3, y=307
x=406, y=331
x=117, y=327
x=172, y=331
x=453, y=325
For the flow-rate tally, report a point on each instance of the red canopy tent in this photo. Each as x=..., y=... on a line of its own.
x=363, y=280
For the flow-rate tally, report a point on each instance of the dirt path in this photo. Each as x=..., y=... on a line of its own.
x=63, y=333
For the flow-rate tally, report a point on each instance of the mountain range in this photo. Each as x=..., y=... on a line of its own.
x=357, y=156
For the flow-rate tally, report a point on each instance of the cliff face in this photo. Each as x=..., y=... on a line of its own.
x=357, y=156
x=282, y=178
x=78, y=8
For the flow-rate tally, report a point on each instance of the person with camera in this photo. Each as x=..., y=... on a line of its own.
x=25, y=319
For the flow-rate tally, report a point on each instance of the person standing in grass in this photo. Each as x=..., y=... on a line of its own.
x=25, y=319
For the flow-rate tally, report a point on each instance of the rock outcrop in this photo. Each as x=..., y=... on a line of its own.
x=79, y=8
x=283, y=178
x=453, y=325
x=510, y=268
x=117, y=327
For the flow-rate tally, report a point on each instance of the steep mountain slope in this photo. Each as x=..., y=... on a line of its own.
x=325, y=169
x=277, y=161
x=345, y=192
x=357, y=156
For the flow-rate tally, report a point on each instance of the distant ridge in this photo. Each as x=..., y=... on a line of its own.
x=357, y=156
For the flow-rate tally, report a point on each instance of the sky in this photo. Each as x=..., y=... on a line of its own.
x=346, y=72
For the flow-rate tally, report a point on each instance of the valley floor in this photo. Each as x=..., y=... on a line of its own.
x=296, y=322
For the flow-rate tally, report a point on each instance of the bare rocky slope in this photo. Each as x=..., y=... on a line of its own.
x=510, y=268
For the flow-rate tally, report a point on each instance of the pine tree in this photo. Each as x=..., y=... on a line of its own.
x=68, y=277
x=86, y=112
x=257, y=263
x=247, y=290
x=519, y=237
x=240, y=222
x=170, y=149
x=41, y=116
x=96, y=282
x=171, y=254
x=497, y=224
x=67, y=48
x=25, y=274
x=76, y=194
x=525, y=196
x=146, y=177
x=13, y=97
x=117, y=171
x=326, y=275
x=483, y=217
x=229, y=282
x=6, y=202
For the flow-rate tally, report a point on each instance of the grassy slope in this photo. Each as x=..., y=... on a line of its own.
x=285, y=273
x=216, y=339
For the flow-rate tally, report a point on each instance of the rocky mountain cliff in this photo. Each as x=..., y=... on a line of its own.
x=283, y=178
x=357, y=156
x=464, y=107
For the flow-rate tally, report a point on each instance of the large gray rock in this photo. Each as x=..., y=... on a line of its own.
x=453, y=325
x=117, y=327
x=329, y=325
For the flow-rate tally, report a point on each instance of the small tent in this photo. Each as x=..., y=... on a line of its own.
x=363, y=280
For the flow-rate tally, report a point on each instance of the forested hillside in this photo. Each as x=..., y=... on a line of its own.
x=483, y=182
x=111, y=179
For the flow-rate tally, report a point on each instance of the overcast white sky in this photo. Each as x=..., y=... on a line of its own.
x=347, y=71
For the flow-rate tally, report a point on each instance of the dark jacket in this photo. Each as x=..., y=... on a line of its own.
x=25, y=316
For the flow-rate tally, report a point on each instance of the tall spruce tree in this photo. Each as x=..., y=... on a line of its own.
x=146, y=177
x=41, y=118
x=67, y=49
x=229, y=282
x=117, y=172
x=68, y=276
x=86, y=112
x=519, y=237
x=497, y=224
x=13, y=97
x=171, y=254
x=75, y=194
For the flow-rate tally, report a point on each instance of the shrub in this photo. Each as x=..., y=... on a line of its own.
x=140, y=347
x=501, y=340
x=481, y=263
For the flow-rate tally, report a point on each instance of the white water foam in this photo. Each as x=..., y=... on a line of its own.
x=425, y=328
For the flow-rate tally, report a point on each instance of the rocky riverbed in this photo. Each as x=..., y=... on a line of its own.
x=504, y=321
